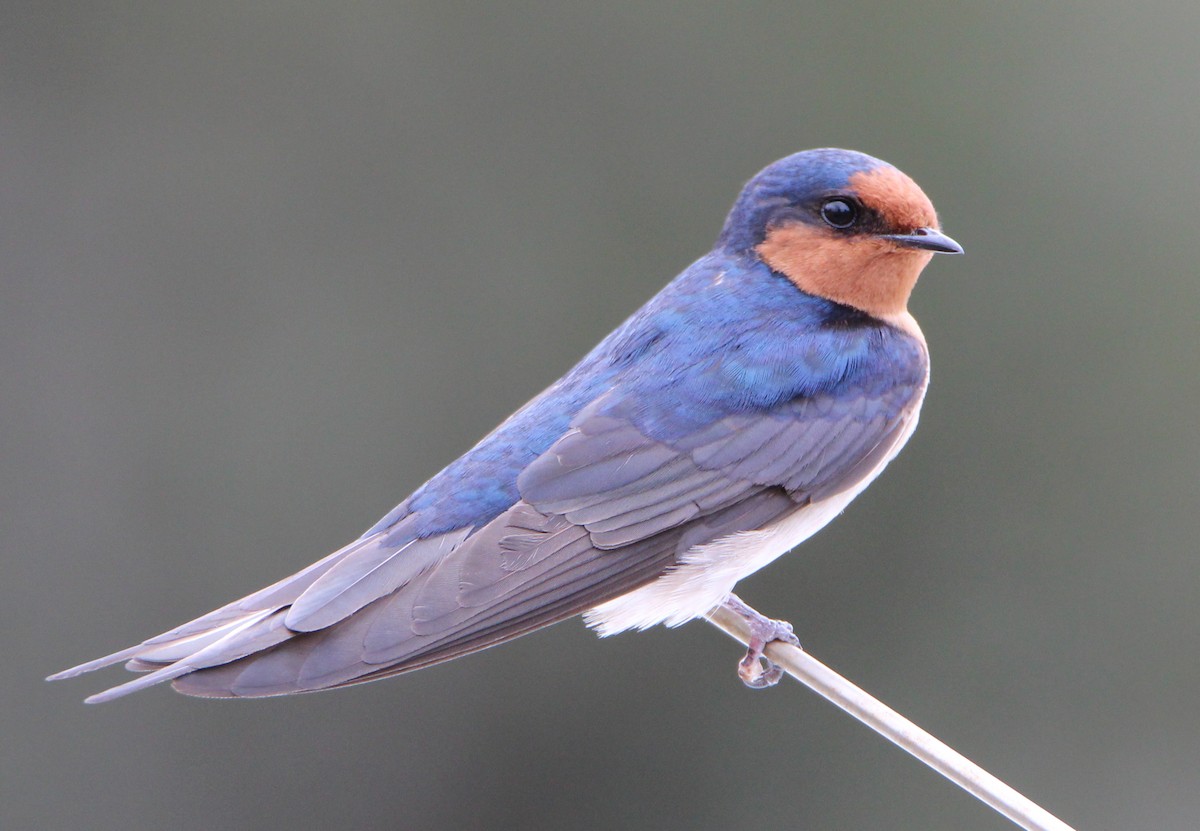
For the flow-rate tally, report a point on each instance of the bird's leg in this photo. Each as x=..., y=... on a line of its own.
x=756, y=670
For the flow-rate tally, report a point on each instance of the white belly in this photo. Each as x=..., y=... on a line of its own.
x=706, y=574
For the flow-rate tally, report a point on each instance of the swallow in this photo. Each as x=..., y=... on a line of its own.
x=731, y=417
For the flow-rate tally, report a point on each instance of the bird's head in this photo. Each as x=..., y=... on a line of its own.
x=840, y=225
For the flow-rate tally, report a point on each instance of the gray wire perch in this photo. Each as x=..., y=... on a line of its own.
x=896, y=728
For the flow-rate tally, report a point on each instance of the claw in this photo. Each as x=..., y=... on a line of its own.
x=756, y=670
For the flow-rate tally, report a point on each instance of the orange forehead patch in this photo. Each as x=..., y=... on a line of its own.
x=896, y=197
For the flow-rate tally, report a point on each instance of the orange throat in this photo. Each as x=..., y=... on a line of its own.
x=872, y=275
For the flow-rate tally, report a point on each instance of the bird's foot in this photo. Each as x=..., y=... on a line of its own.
x=756, y=670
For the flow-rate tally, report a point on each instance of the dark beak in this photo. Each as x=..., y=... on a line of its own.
x=929, y=239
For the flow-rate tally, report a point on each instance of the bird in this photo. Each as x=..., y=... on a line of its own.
x=726, y=421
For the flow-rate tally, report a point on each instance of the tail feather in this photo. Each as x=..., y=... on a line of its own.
x=98, y=663
x=447, y=595
x=257, y=632
x=338, y=656
x=176, y=644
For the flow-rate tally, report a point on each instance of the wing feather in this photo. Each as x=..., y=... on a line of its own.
x=387, y=638
x=612, y=505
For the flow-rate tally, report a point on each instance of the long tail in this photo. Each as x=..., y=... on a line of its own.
x=390, y=603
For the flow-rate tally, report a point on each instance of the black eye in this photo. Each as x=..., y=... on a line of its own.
x=840, y=213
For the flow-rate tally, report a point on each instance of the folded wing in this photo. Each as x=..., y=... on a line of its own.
x=615, y=502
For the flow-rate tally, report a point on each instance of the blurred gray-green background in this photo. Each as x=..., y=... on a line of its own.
x=265, y=267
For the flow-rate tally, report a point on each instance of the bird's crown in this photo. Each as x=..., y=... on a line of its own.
x=796, y=188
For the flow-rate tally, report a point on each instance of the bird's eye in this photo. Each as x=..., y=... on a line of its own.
x=839, y=213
